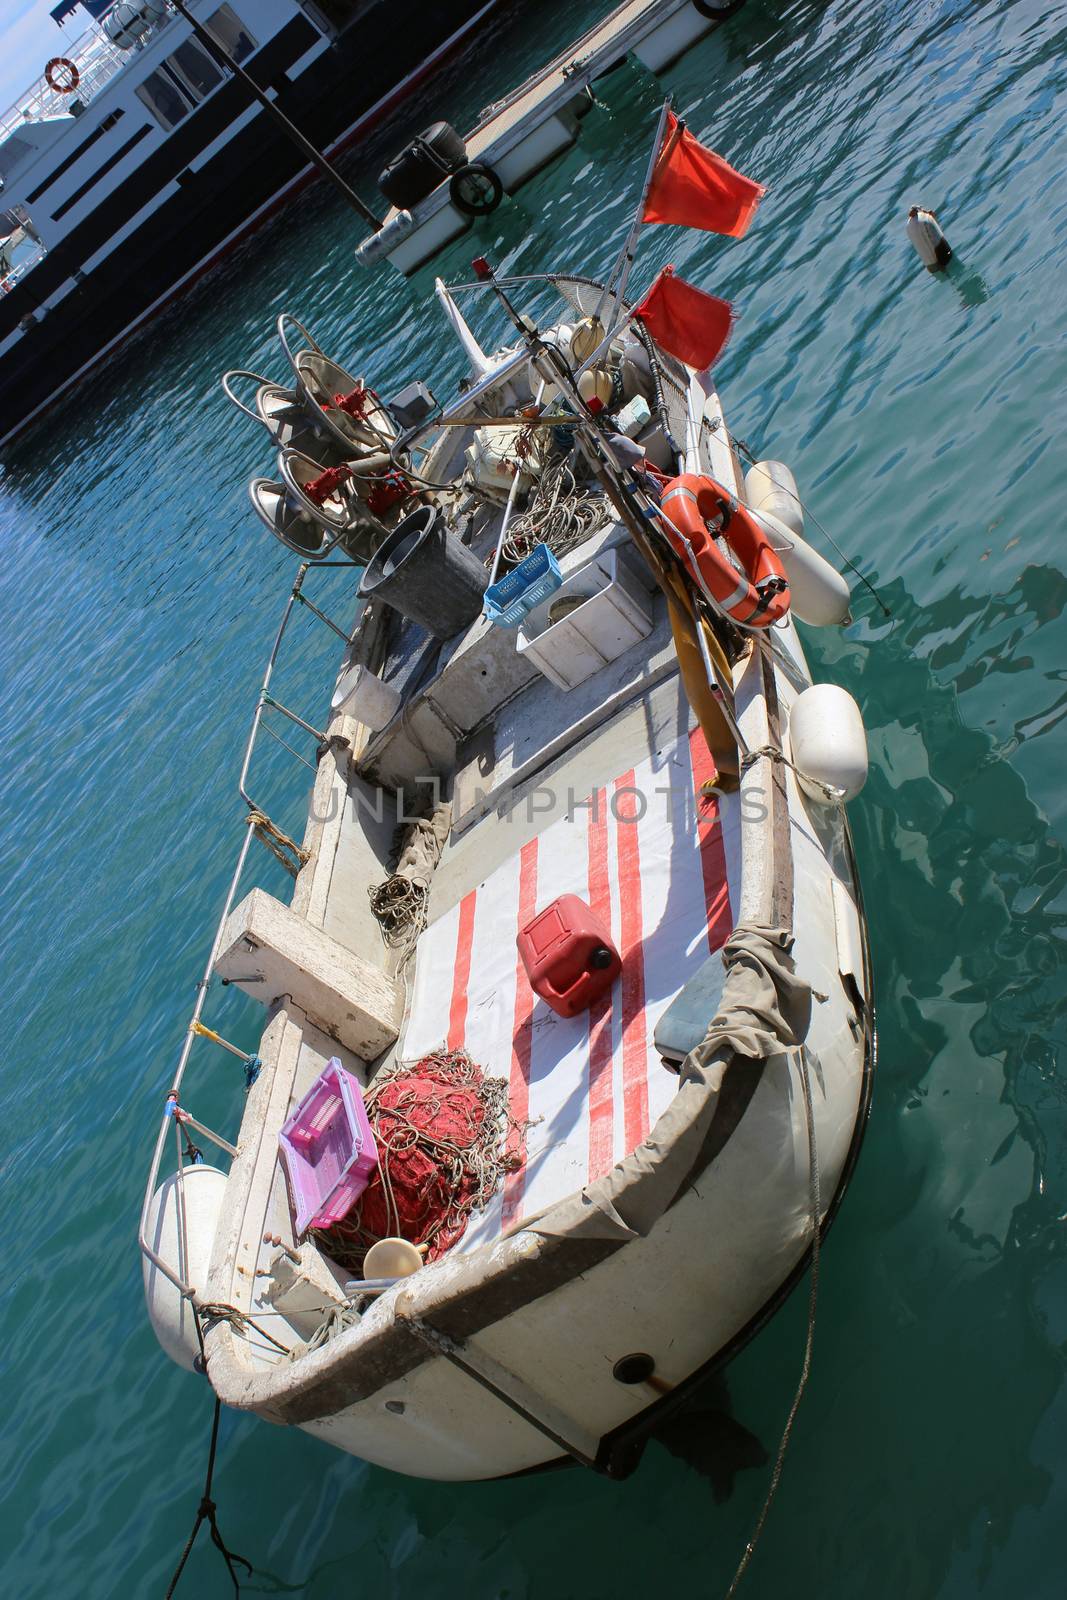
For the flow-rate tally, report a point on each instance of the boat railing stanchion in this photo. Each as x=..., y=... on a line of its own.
x=715, y=683
x=310, y=605
x=174, y=1115
x=625, y=259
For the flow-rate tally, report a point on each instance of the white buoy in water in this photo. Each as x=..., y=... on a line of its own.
x=925, y=233
x=828, y=743
x=187, y=1252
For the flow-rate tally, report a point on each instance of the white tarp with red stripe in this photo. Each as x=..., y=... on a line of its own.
x=659, y=864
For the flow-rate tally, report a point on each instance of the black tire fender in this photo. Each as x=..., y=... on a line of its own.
x=463, y=201
x=717, y=12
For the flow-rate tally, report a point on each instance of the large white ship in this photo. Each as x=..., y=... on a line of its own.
x=135, y=158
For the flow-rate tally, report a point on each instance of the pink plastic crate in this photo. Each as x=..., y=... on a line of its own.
x=328, y=1149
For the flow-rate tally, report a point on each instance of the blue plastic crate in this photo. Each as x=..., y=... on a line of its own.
x=513, y=597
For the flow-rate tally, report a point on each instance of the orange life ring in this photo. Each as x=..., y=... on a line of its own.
x=756, y=596
x=60, y=85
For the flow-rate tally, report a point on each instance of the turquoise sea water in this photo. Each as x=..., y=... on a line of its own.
x=924, y=418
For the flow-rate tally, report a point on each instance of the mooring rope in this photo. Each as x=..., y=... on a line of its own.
x=815, y=1202
x=772, y=753
x=205, y=1511
x=240, y=1321
x=291, y=855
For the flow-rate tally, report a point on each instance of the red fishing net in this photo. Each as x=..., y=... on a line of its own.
x=441, y=1127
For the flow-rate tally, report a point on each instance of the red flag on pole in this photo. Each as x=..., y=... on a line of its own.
x=695, y=188
x=684, y=321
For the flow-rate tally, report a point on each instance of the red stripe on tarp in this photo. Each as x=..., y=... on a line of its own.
x=628, y=807
x=601, y=1093
x=712, y=849
x=522, y=1043
x=461, y=973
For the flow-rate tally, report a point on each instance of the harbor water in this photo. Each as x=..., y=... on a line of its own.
x=924, y=418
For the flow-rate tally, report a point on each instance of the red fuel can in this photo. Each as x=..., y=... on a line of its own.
x=568, y=954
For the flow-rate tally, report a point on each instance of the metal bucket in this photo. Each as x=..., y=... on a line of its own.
x=427, y=574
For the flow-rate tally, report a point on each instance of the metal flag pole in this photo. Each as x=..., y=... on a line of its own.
x=625, y=259
x=224, y=59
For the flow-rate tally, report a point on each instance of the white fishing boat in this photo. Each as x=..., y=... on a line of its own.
x=608, y=1018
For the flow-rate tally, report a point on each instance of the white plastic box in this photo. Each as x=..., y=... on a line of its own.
x=616, y=614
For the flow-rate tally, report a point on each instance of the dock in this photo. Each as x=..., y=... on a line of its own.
x=540, y=118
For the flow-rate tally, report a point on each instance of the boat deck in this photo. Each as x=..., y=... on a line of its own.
x=659, y=863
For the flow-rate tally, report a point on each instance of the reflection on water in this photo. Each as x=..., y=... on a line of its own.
x=967, y=282
x=711, y=1441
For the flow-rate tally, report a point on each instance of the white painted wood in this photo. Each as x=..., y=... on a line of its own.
x=351, y=1000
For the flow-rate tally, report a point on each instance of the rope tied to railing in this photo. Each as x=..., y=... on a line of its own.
x=772, y=753
x=291, y=855
x=214, y=1311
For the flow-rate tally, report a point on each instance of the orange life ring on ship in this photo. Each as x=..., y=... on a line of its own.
x=756, y=596
x=62, y=85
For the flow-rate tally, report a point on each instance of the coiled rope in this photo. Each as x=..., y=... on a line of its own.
x=559, y=514
x=399, y=904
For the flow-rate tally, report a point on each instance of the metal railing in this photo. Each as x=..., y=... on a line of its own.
x=9, y=279
x=98, y=60
x=175, y=1116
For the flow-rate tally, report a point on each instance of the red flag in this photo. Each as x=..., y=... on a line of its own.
x=695, y=188
x=686, y=322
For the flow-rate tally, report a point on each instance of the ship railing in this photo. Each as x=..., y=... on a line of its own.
x=176, y=1117
x=20, y=269
x=98, y=60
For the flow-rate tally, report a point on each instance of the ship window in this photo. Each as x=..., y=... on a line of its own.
x=231, y=33
x=164, y=99
x=112, y=161
x=12, y=151
x=196, y=69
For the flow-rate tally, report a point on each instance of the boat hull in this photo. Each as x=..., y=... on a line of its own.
x=534, y=1376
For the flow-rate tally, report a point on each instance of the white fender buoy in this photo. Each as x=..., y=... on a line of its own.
x=818, y=594
x=925, y=233
x=169, y=1312
x=771, y=487
x=828, y=743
